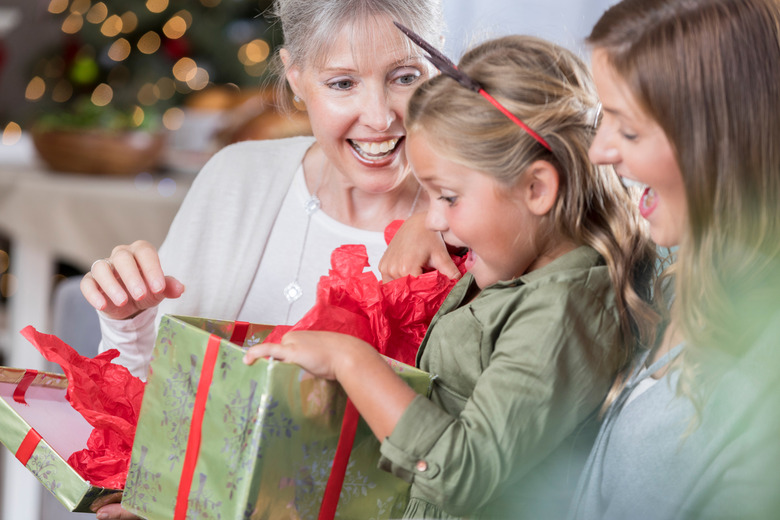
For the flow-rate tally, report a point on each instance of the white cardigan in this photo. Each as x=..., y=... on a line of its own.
x=217, y=241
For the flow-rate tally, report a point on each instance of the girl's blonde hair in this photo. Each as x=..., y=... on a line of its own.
x=707, y=71
x=549, y=89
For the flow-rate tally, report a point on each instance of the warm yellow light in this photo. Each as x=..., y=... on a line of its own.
x=149, y=43
x=175, y=27
x=156, y=6
x=184, y=69
x=73, y=23
x=35, y=89
x=119, y=50
x=97, y=13
x=257, y=51
x=8, y=285
x=62, y=92
x=173, y=118
x=5, y=261
x=112, y=26
x=58, y=6
x=165, y=88
x=200, y=80
x=11, y=135
x=129, y=22
x=138, y=116
x=146, y=95
x=80, y=6
x=102, y=95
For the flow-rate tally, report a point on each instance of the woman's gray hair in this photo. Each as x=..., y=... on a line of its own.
x=310, y=27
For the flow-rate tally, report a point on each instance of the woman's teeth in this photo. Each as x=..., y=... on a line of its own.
x=373, y=150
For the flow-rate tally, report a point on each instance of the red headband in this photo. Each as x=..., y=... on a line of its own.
x=445, y=66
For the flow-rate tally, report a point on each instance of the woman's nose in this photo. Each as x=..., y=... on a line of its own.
x=602, y=150
x=378, y=111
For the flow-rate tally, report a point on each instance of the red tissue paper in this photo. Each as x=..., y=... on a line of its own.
x=108, y=397
x=392, y=316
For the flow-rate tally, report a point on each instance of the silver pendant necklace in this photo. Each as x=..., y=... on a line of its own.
x=293, y=291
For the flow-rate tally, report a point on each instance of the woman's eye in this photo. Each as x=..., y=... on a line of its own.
x=408, y=79
x=628, y=136
x=342, y=84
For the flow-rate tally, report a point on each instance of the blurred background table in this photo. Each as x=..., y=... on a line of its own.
x=51, y=217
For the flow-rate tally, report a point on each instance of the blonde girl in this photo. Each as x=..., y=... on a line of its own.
x=528, y=342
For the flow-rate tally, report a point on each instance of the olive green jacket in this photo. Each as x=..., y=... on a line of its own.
x=520, y=373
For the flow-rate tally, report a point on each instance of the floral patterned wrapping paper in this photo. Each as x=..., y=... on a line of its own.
x=269, y=435
x=49, y=413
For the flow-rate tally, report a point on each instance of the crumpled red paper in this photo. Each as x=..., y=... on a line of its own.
x=393, y=316
x=108, y=397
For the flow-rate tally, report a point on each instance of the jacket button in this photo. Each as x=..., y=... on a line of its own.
x=421, y=466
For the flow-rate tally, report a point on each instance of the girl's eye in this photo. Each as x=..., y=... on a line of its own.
x=628, y=136
x=341, y=84
x=450, y=200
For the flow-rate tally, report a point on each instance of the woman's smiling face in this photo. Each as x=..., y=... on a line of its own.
x=356, y=100
x=640, y=151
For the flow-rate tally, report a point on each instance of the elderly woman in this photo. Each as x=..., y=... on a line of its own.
x=257, y=228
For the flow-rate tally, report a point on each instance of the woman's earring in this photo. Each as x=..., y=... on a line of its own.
x=296, y=98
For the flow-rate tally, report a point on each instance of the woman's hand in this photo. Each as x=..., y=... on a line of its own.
x=129, y=281
x=319, y=353
x=109, y=508
x=414, y=248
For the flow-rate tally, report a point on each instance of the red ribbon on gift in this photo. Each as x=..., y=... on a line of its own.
x=239, y=333
x=28, y=445
x=330, y=500
x=196, y=424
x=21, y=389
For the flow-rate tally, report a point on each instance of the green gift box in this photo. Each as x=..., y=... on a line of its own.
x=268, y=434
x=41, y=429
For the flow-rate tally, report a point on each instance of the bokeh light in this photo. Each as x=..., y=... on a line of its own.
x=36, y=88
x=97, y=13
x=119, y=50
x=254, y=52
x=173, y=118
x=165, y=88
x=58, y=6
x=11, y=135
x=73, y=23
x=138, y=116
x=102, y=95
x=112, y=26
x=5, y=261
x=166, y=187
x=156, y=6
x=80, y=6
x=129, y=22
x=185, y=69
x=8, y=285
x=149, y=43
x=62, y=92
x=147, y=95
x=200, y=80
x=175, y=27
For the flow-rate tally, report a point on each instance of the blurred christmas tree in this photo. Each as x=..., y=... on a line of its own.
x=139, y=58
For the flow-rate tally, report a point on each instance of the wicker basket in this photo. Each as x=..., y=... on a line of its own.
x=100, y=152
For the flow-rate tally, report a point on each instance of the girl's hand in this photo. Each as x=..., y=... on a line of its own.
x=414, y=248
x=322, y=354
x=129, y=281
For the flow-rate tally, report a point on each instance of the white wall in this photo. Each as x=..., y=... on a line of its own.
x=566, y=22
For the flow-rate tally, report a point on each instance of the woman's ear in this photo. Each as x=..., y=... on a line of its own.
x=540, y=187
x=291, y=72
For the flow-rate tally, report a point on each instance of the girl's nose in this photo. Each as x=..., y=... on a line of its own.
x=435, y=220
